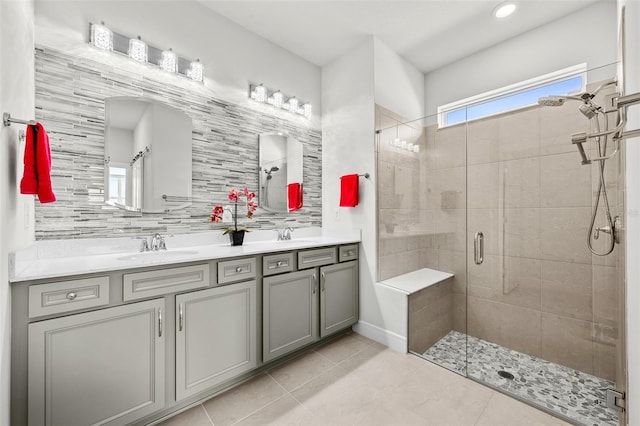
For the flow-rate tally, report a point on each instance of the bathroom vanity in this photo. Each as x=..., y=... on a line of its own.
x=144, y=335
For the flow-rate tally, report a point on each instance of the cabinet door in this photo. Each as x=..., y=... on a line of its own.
x=290, y=312
x=101, y=367
x=215, y=336
x=338, y=297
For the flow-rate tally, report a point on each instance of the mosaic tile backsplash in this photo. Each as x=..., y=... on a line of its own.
x=70, y=94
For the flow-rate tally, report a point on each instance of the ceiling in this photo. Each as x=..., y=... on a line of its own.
x=427, y=33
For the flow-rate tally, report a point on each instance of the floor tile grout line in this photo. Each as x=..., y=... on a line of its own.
x=206, y=413
x=258, y=410
x=493, y=394
x=262, y=407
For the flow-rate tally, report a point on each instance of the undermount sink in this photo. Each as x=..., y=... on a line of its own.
x=291, y=241
x=163, y=254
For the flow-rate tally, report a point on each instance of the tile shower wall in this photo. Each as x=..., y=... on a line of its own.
x=540, y=290
x=517, y=178
x=70, y=95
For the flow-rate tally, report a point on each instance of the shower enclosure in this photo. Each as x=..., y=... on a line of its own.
x=505, y=204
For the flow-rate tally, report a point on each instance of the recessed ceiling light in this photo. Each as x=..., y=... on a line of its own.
x=504, y=9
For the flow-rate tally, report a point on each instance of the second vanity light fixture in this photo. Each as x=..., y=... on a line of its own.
x=105, y=39
x=277, y=99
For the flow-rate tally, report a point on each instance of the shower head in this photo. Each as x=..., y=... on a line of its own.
x=554, y=101
x=588, y=107
x=268, y=172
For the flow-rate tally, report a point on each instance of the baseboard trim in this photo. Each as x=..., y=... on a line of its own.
x=380, y=335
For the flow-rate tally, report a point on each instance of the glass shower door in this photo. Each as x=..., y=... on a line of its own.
x=542, y=310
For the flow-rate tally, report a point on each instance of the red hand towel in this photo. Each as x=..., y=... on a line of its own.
x=37, y=165
x=349, y=190
x=294, y=191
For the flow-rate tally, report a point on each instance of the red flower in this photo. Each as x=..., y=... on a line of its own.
x=235, y=196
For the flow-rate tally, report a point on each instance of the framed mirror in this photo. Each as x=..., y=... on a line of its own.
x=147, y=155
x=280, y=173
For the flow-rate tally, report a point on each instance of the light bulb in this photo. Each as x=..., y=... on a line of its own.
x=102, y=37
x=307, y=110
x=196, y=72
x=169, y=61
x=293, y=104
x=259, y=94
x=278, y=99
x=138, y=50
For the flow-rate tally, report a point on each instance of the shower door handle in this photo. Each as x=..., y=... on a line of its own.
x=478, y=248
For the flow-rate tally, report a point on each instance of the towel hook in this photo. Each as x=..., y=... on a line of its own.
x=7, y=120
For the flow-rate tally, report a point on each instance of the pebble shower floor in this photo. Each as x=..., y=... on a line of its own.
x=573, y=394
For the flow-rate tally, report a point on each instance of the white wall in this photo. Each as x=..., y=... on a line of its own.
x=231, y=55
x=351, y=86
x=632, y=216
x=399, y=86
x=16, y=211
x=586, y=36
x=348, y=119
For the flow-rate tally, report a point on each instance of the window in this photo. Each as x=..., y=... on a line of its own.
x=118, y=185
x=509, y=98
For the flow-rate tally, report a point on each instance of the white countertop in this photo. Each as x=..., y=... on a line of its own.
x=59, y=258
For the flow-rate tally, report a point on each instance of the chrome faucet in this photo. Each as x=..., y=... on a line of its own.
x=157, y=242
x=154, y=243
x=285, y=234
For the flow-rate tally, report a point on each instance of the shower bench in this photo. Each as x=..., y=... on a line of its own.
x=429, y=305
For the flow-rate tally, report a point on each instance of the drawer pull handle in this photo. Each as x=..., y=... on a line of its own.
x=239, y=269
x=72, y=295
x=351, y=253
x=280, y=263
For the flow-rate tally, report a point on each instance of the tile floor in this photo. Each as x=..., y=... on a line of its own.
x=355, y=381
x=572, y=393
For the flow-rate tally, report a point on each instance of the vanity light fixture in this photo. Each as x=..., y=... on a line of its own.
x=169, y=61
x=276, y=98
x=504, y=10
x=403, y=144
x=138, y=50
x=101, y=37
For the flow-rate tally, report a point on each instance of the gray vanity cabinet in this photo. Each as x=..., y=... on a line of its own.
x=215, y=336
x=100, y=367
x=338, y=297
x=290, y=312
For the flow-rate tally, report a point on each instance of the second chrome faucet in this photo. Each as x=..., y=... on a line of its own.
x=285, y=234
x=154, y=243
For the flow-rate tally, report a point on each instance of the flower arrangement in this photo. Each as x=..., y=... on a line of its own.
x=235, y=197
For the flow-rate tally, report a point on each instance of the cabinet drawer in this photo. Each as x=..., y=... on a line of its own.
x=317, y=257
x=141, y=285
x=277, y=263
x=349, y=252
x=236, y=270
x=65, y=296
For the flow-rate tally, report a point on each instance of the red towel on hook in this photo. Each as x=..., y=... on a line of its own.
x=294, y=192
x=36, y=178
x=349, y=185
